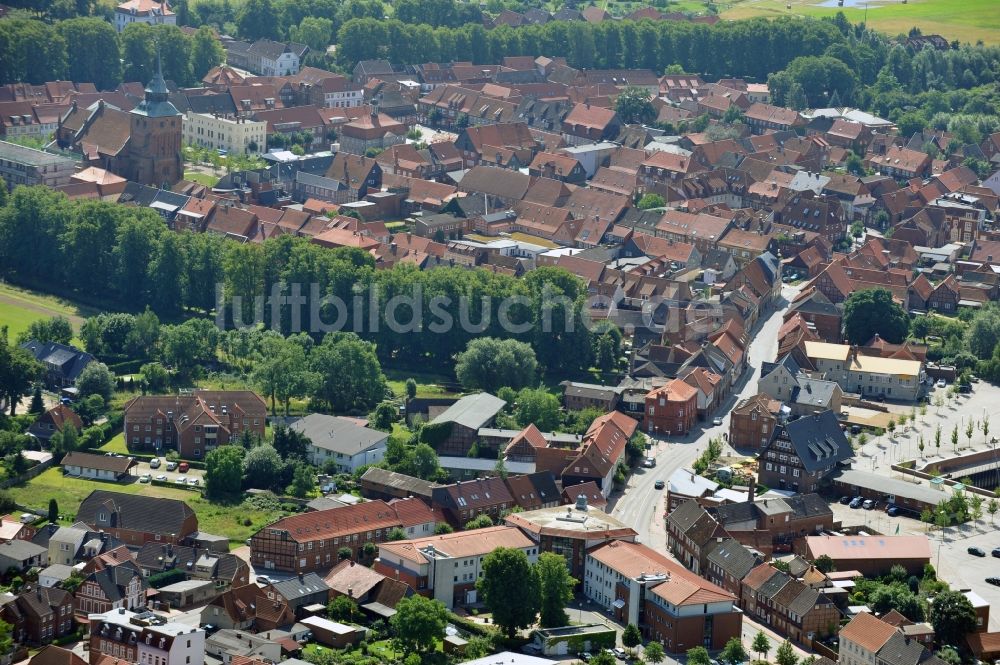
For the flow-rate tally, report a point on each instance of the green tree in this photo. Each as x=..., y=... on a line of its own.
x=983, y=333
x=37, y=405
x=262, y=467
x=509, y=587
x=479, y=522
x=314, y=31
x=872, y=311
x=206, y=52
x=96, y=379
x=18, y=370
x=97, y=39
x=634, y=105
x=734, y=653
x=603, y=658
x=343, y=609
x=952, y=616
x=155, y=377
x=58, y=329
x=761, y=644
x=539, y=407
x=257, y=20
x=419, y=622
x=224, y=472
x=653, y=653
x=396, y=533
x=698, y=656
x=651, y=201
x=631, y=637
x=785, y=655
x=824, y=563
x=555, y=589
x=383, y=417
x=349, y=375
x=53, y=511
x=489, y=363
x=411, y=389
x=303, y=481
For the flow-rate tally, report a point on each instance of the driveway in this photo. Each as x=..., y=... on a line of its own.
x=641, y=505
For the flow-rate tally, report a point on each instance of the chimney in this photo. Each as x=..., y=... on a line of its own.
x=752, y=489
x=302, y=577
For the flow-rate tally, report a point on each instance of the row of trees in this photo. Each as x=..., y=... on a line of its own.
x=128, y=259
x=35, y=52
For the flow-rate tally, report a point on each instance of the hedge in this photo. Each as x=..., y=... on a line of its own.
x=166, y=578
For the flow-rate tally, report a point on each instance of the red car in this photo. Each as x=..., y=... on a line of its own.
x=183, y=467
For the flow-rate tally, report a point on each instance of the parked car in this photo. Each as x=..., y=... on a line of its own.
x=183, y=467
x=171, y=466
x=154, y=463
x=855, y=429
x=976, y=551
x=658, y=485
x=194, y=481
x=585, y=656
x=145, y=478
x=996, y=552
x=995, y=581
x=619, y=653
x=162, y=478
x=716, y=421
x=941, y=383
x=181, y=480
x=893, y=511
x=264, y=579
x=964, y=389
x=856, y=502
x=649, y=463
x=845, y=500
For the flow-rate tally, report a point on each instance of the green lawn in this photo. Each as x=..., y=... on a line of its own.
x=201, y=178
x=116, y=445
x=19, y=308
x=428, y=383
x=965, y=20
x=225, y=520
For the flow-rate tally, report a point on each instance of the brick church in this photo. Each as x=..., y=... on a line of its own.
x=142, y=145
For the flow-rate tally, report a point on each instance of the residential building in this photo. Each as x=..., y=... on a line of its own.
x=870, y=555
x=234, y=135
x=772, y=525
x=446, y=567
x=577, y=396
x=672, y=409
x=223, y=569
x=150, y=12
x=753, y=422
x=373, y=591
x=294, y=595
x=667, y=603
x=601, y=450
x=135, y=519
x=20, y=165
x=63, y=364
x=867, y=375
x=22, y=555
x=862, y=638
x=691, y=531
x=804, y=453
x=98, y=467
x=374, y=131
x=111, y=589
x=341, y=441
x=788, y=606
x=465, y=500
x=729, y=562
x=270, y=58
x=685, y=484
x=144, y=638
x=571, y=531
x=193, y=424
x=534, y=490
x=54, y=420
x=312, y=541
x=38, y=615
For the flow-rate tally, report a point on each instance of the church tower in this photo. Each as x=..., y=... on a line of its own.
x=154, y=147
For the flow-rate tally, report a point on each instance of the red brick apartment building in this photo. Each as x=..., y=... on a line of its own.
x=311, y=541
x=672, y=409
x=193, y=424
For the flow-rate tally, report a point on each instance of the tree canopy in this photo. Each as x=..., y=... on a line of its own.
x=510, y=589
x=489, y=363
x=952, y=616
x=418, y=622
x=872, y=311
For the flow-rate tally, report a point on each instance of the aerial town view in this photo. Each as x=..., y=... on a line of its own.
x=512, y=332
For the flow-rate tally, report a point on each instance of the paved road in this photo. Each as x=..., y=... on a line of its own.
x=641, y=505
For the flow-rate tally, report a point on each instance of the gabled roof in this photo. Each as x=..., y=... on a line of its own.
x=472, y=411
x=818, y=440
x=136, y=512
x=732, y=557
x=341, y=435
x=867, y=631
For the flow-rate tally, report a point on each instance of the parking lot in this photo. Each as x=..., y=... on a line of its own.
x=174, y=476
x=965, y=571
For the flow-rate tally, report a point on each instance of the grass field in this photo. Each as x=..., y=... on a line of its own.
x=201, y=178
x=19, y=308
x=964, y=20
x=428, y=383
x=224, y=520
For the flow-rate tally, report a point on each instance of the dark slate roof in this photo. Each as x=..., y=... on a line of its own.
x=300, y=587
x=776, y=583
x=788, y=361
x=804, y=602
x=693, y=521
x=734, y=513
x=733, y=558
x=71, y=361
x=808, y=505
x=114, y=580
x=219, y=103
x=818, y=440
x=135, y=511
x=813, y=392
